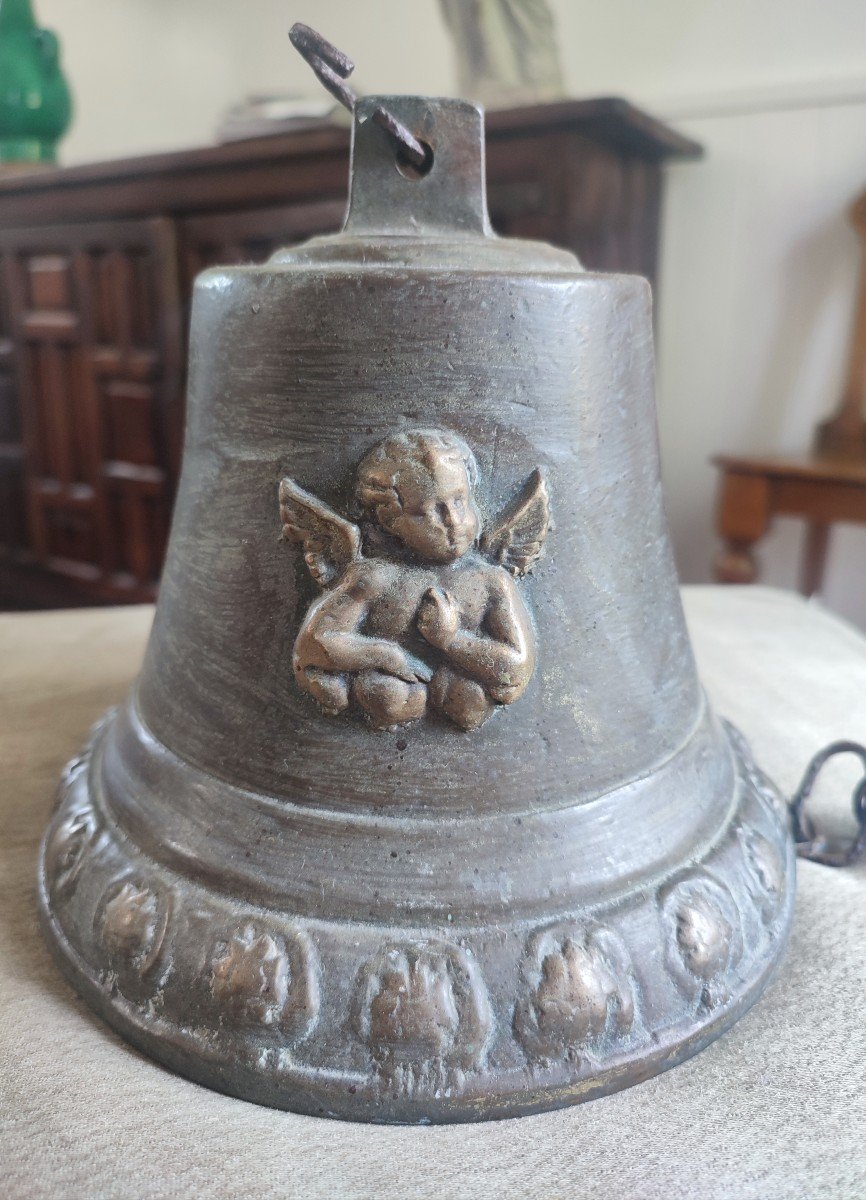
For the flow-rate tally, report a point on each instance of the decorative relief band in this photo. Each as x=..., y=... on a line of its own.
x=69, y=846
x=422, y=1009
x=765, y=866
x=132, y=921
x=258, y=978
x=703, y=937
x=572, y=1000
x=579, y=993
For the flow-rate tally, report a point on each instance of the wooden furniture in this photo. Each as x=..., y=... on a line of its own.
x=755, y=490
x=96, y=271
x=824, y=488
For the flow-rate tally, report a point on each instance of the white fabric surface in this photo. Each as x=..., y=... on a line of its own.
x=774, y=1110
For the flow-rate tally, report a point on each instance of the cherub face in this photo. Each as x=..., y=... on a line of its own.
x=438, y=519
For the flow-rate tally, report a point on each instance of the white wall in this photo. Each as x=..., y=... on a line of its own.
x=153, y=75
x=759, y=272
x=758, y=266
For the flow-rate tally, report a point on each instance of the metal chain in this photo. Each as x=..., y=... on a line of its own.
x=810, y=843
x=333, y=67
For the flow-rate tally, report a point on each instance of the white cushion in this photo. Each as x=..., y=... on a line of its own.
x=776, y=1108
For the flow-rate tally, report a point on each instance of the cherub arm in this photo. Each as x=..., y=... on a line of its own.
x=330, y=637
x=501, y=655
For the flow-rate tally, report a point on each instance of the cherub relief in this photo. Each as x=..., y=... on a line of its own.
x=426, y=616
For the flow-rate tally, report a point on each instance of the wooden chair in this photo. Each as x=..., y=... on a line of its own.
x=823, y=488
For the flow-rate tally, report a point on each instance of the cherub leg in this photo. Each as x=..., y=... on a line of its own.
x=462, y=700
x=389, y=701
x=330, y=689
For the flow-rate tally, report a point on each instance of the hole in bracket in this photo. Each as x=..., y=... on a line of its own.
x=409, y=170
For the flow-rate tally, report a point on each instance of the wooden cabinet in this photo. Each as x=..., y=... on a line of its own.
x=91, y=391
x=96, y=272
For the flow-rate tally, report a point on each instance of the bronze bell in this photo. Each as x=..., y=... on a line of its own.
x=417, y=811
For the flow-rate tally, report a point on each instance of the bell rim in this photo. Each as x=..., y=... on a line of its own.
x=252, y=1069
x=473, y=1108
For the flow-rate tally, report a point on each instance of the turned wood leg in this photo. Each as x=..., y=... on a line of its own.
x=814, y=558
x=735, y=563
x=742, y=518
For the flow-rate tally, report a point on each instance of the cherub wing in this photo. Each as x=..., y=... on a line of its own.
x=330, y=541
x=516, y=537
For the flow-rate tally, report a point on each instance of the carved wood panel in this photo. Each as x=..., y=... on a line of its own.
x=251, y=235
x=13, y=525
x=94, y=313
x=560, y=188
x=91, y=326
x=520, y=207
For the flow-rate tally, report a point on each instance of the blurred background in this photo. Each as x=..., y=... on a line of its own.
x=758, y=266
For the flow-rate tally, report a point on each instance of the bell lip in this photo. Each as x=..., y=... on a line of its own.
x=677, y=1013
x=353, y=1105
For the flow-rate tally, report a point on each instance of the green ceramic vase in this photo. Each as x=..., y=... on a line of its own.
x=35, y=102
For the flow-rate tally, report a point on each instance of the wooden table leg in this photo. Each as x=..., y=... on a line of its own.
x=735, y=563
x=814, y=558
x=742, y=518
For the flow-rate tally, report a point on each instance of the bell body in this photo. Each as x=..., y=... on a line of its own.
x=401, y=829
